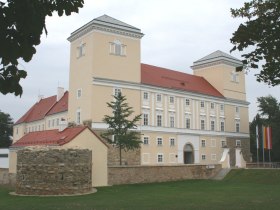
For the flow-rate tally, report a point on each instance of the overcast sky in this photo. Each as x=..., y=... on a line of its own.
x=177, y=33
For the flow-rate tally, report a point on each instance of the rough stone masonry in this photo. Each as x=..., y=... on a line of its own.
x=53, y=171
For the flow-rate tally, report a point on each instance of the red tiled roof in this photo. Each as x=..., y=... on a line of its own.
x=52, y=137
x=60, y=106
x=49, y=137
x=38, y=110
x=45, y=106
x=166, y=78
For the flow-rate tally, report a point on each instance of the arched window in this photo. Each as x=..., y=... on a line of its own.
x=117, y=48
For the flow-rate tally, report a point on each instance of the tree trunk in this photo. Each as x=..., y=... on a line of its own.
x=120, y=155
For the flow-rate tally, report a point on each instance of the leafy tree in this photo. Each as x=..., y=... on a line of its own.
x=121, y=131
x=6, y=130
x=259, y=36
x=269, y=109
x=22, y=23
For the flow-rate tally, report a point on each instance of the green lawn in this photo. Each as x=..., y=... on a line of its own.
x=241, y=189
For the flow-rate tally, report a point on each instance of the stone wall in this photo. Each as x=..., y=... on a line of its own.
x=131, y=157
x=147, y=174
x=245, y=148
x=53, y=171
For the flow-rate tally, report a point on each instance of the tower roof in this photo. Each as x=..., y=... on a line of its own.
x=217, y=57
x=107, y=24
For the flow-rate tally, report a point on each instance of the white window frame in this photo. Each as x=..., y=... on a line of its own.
x=172, y=142
x=222, y=126
x=146, y=119
x=81, y=50
x=78, y=116
x=222, y=107
x=171, y=99
x=160, y=157
x=158, y=98
x=172, y=121
x=159, y=120
x=237, y=127
x=187, y=102
x=202, y=104
x=188, y=122
x=79, y=93
x=223, y=143
x=159, y=141
x=203, y=143
x=202, y=124
x=146, y=140
x=212, y=125
x=203, y=157
x=146, y=96
x=238, y=143
x=212, y=105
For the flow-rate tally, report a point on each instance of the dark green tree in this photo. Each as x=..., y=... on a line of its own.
x=22, y=23
x=6, y=130
x=259, y=36
x=269, y=115
x=121, y=126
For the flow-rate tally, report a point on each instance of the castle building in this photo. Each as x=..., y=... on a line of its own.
x=186, y=119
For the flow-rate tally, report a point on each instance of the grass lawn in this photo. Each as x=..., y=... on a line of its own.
x=241, y=189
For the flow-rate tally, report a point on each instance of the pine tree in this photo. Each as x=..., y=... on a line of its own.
x=121, y=130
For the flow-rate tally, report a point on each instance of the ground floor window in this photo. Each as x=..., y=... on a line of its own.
x=160, y=158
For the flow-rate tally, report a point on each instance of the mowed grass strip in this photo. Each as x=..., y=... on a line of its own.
x=241, y=189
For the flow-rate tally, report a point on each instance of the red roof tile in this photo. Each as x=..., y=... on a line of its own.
x=52, y=137
x=60, y=106
x=166, y=78
x=45, y=106
x=49, y=137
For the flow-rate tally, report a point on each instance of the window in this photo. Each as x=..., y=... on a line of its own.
x=159, y=120
x=145, y=119
x=222, y=107
x=187, y=101
x=202, y=124
x=160, y=158
x=223, y=143
x=39, y=127
x=234, y=77
x=78, y=116
x=158, y=97
x=117, y=48
x=213, y=142
x=53, y=121
x=49, y=123
x=212, y=105
x=212, y=125
x=203, y=143
x=237, y=110
x=117, y=91
x=43, y=127
x=159, y=141
x=202, y=104
x=81, y=50
x=146, y=96
x=172, y=122
x=57, y=121
x=238, y=143
x=237, y=127
x=213, y=156
x=203, y=157
x=146, y=140
x=171, y=100
x=222, y=126
x=188, y=123
x=172, y=142
x=79, y=93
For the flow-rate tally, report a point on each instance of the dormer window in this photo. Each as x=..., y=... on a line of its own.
x=117, y=48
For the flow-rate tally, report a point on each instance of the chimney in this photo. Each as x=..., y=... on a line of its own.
x=60, y=93
x=40, y=97
x=62, y=124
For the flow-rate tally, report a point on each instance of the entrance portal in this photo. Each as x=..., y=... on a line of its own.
x=188, y=154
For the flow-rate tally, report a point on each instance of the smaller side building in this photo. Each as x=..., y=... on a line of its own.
x=80, y=137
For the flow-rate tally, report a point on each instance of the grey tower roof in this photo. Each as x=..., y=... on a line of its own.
x=217, y=57
x=108, y=24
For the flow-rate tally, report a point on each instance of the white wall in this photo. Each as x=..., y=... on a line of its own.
x=4, y=161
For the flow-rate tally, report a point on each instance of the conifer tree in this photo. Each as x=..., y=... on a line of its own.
x=121, y=132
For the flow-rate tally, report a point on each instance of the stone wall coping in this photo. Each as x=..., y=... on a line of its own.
x=149, y=166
